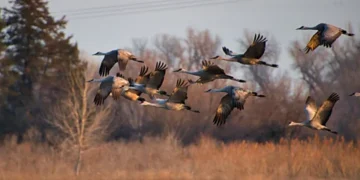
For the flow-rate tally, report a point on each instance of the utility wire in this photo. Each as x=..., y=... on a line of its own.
x=110, y=6
x=132, y=8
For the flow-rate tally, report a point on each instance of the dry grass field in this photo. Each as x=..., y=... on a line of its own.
x=165, y=158
x=49, y=121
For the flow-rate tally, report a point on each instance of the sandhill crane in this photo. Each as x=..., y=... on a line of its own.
x=357, y=94
x=208, y=73
x=235, y=98
x=326, y=35
x=119, y=56
x=176, y=101
x=251, y=56
x=142, y=78
x=115, y=85
x=154, y=80
x=317, y=117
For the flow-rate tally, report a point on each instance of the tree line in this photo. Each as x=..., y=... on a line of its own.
x=44, y=96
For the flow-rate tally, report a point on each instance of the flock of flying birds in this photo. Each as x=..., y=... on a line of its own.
x=150, y=82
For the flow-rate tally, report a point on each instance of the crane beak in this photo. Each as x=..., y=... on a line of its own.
x=208, y=90
x=301, y=27
x=90, y=80
x=215, y=57
x=178, y=70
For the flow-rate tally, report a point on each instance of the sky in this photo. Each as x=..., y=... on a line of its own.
x=279, y=18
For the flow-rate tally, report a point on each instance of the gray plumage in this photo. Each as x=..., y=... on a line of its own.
x=114, y=85
x=251, y=56
x=318, y=117
x=119, y=56
x=235, y=98
x=176, y=100
x=325, y=36
x=208, y=73
x=154, y=80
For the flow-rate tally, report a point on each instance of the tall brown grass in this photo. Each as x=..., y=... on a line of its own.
x=165, y=158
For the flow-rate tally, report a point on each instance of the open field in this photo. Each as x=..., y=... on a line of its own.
x=53, y=126
x=164, y=158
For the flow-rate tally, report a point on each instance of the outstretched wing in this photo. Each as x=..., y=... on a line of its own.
x=156, y=77
x=310, y=108
x=324, y=112
x=210, y=67
x=228, y=52
x=143, y=78
x=103, y=92
x=313, y=43
x=107, y=63
x=224, y=109
x=179, y=94
x=257, y=48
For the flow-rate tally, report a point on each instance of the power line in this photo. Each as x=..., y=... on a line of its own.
x=108, y=7
x=157, y=8
x=134, y=6
x=129, y=6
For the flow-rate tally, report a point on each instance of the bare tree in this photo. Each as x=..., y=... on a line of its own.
x=311, y=66
x=333, y=70
x=199, y=46
x=81, y=123
x=139, y=46
x=170, y=49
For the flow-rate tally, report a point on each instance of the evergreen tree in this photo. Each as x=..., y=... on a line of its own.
x=2, y=46
x=3, y=88
x=38, y=56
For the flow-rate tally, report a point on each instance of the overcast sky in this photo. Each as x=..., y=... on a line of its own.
x=280, y=18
